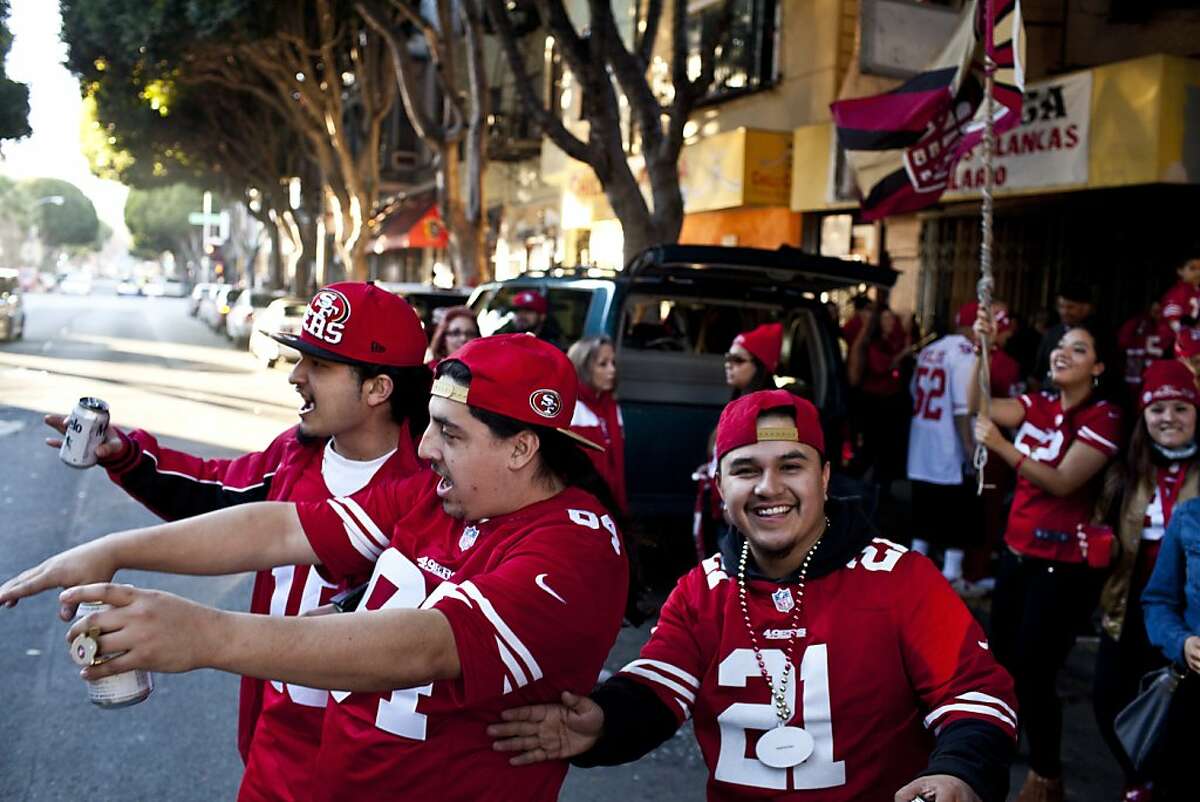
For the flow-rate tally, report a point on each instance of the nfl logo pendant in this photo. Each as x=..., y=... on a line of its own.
x=783, y=600
x=467, y=539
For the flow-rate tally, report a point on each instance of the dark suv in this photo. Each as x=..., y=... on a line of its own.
x=673, y=314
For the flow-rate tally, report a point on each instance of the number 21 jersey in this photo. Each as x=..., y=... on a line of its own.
x=939, y=390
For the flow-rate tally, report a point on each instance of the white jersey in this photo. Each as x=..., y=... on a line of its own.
x=939, y=391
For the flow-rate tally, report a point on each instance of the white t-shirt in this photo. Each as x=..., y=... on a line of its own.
x=939, y=391
x=345, y=477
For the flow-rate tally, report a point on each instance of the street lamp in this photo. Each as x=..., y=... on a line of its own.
x=57, y=200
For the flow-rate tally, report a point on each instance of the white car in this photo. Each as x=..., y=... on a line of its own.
x=75, y=284
x=239, y=320
x=282, y=316
x=12, y=310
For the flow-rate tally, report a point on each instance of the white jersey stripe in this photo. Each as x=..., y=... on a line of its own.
x=510, y=638
x=653, y=676
x=198, y=480
x=511, y=663
x=668, y=668
x=1089, y=432
x=365, y=520
x=965, y=708
x=361, y=543
x=977, y=696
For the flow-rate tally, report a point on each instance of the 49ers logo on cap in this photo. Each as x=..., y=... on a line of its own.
x=546, y=403
x=327, y=315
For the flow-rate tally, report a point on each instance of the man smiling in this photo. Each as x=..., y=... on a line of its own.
x=503, y=580
x=818, y=661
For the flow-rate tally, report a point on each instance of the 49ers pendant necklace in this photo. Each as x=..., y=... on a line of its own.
x=786, y=745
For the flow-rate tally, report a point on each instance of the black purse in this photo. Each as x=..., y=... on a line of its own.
x=1141, y=724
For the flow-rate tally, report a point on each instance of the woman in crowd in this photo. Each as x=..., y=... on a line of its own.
x=1172, y=605
x=458, y=327
x=597, y=415
x=885, y=404
x=753, y=358
x=1045, y=591
x=1159, y=473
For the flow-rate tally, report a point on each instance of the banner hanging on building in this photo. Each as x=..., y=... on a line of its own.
x=903, y=145
x=1048, y=149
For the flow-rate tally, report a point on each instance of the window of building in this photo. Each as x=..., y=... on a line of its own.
x=746, y=61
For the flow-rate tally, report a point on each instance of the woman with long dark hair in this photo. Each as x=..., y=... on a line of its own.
x=753, y=358
x=1158, y=473
x=1045, y=590
x=458, y=327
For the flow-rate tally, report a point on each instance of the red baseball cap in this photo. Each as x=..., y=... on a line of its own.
x=520, y=377
x=1187, y=341
x=739, y=425
x=765, y=342
x=531, y=300
x=356, y=322
x=1167, y=380
x=965, y=318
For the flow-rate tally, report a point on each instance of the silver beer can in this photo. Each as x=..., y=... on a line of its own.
x=119, y=690
x=86, y=428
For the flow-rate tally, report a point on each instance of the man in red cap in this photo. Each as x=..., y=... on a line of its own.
x=498, y=577
x=531, y=314
x=815, y=657
x=940, y=446
x=364, y=396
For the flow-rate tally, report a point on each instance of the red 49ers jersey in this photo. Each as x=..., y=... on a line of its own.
x=1039, y=523
x=1143, y=340
x=886, y=656
x=1181, y=300
x=534, y=599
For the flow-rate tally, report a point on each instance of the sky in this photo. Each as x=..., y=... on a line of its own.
x=55, y=110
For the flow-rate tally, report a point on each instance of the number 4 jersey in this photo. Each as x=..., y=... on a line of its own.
x=885, y=657
x=939, y=389
x=534, y=599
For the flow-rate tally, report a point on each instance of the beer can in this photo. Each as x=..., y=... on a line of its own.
x=86, y=428
x=119, y=690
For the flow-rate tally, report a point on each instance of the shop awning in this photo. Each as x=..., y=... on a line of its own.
x=413, y=223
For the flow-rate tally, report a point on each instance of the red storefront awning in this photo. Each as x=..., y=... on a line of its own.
x=411, y=226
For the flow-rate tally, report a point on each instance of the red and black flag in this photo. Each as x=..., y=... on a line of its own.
x=904, y=144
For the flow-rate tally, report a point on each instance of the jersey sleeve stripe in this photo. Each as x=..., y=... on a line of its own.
x=668, y=668
x=511, y=664
x=357, y=539
x=198, y=480
x=967, y=708
x=673, y=686
x=382, y=540
x=506, y=634
x=976, y=696
x=1090, y=433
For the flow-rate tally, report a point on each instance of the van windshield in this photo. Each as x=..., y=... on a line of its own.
x=688, y=325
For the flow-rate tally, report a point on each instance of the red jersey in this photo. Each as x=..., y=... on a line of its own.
x=1005, y=375
x=279, y=726
x=1143, y=339
x=886, y=656
x=1182, y=300
x=1040, y=524
x=534, y=599
x=598, y=418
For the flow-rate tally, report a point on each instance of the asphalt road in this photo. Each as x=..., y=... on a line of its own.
x=165, y=372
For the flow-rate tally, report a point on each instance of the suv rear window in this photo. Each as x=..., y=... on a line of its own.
x=8, y=285
x=568, y=308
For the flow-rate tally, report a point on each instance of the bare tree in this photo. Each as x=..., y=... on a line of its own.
x=451, y=120
x=606, y=68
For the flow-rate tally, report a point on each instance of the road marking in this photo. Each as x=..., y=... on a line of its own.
x=11, y=426
x=33, y=652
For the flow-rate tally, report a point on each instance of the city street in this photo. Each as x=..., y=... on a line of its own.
x=166, y=372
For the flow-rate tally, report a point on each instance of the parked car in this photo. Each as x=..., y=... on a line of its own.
x=282, y=316
x=170, y=288
x=75, y=284
x=12, y=308
x=425, y=299
x=223, y=300
x=239, y=322
x=128, y=286
x=199, y=292
x=672, y=315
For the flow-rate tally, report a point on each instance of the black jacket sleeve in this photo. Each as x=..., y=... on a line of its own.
x=636, y=722
x=976, y=753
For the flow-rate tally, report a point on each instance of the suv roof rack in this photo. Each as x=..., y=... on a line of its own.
x=783, y=264
x=575, y=271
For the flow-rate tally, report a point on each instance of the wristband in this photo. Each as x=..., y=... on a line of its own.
x=1020, y=462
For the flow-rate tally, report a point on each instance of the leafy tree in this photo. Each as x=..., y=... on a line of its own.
x=14, y=97
x=612, y=74
x=158, y=219
x=72, y=221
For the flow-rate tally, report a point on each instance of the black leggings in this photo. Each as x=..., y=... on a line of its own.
x=1120, y=666
x=1038, y=608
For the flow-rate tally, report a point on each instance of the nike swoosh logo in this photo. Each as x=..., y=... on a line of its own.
x=540, y=581
x=983, y=644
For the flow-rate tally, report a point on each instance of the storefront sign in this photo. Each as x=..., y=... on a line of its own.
x=1049, y=147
